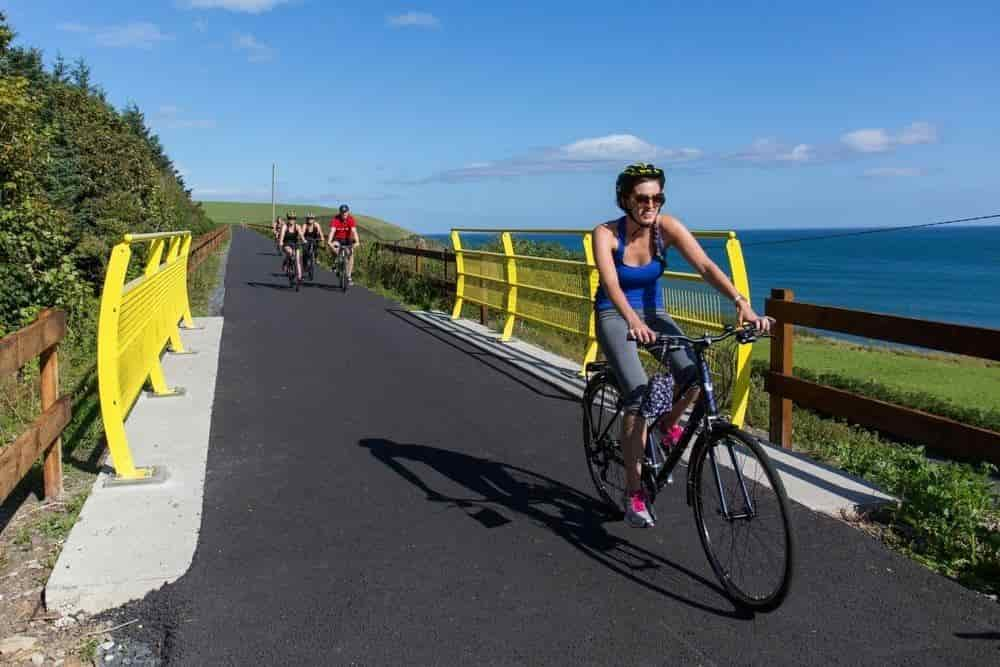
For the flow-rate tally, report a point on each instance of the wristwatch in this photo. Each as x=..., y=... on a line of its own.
x=739, y=297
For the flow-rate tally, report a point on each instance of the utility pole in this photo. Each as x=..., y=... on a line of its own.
x=273, y=171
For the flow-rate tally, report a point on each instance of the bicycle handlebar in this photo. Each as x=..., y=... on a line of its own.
x=744, y=335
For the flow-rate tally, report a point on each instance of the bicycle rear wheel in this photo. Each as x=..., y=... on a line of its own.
x=741, y=510
x=602, y=428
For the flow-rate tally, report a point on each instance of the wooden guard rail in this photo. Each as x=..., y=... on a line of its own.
x=39, y=339
x=203, y=246
x=944, y=435
x=445, y=256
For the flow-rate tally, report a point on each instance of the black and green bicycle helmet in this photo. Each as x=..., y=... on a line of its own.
x=636, y=173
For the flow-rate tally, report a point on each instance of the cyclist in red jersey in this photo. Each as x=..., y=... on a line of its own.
x=344, y=231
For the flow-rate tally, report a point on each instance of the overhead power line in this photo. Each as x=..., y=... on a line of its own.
x=879, y=230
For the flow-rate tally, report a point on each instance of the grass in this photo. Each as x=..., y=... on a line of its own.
x=232, y=213
x=960, y=380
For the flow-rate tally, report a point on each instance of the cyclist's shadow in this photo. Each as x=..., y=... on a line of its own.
x=577, y=518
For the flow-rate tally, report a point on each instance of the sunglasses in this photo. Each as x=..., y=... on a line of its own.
x=657, y=199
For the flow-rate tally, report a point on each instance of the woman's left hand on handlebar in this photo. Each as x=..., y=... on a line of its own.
x=747, y=314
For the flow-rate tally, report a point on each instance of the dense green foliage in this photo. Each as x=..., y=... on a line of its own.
x=75, y=174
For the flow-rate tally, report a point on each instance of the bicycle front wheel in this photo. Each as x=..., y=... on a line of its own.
x=602, y=428
x=741, y=510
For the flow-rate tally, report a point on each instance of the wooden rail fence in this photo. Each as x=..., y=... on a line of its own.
x=203, y=246
x=944, y=435
x=39, y=339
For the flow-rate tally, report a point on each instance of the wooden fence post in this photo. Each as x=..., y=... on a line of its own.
x=49, y=384
x=782, y=340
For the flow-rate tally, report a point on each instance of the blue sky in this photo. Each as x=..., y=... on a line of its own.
x=765, y=114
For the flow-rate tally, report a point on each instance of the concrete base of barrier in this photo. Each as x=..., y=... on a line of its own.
x=133, y=538
x=157, y=475
x=819, y=487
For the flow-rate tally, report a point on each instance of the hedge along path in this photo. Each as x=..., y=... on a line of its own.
x=38, y=340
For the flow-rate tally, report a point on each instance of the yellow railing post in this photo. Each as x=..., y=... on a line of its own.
x=113, y=408
x=185, y=251
x=137, y=322
x=456, y=244
x=741, y=383
x=594, y=279
x=508, y=249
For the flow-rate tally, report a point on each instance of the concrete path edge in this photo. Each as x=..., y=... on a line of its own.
x=130, y=540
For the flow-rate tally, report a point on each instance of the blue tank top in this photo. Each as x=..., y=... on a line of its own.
x=640, y=283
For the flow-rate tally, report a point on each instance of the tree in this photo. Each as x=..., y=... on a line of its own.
x=81, y=75
x=60, y=70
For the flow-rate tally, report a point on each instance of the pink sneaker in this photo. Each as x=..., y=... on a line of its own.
x=636, y=512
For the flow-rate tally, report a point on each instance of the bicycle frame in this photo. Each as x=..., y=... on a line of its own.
x=704, y=415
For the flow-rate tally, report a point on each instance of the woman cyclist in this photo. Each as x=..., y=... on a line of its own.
x=291, y=234
x=313, y=235
x=631, y=256
x=276, y=227
x=344, y=231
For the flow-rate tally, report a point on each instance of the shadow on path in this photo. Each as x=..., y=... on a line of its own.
x=279, y=286
x=573, y=516
x=523, y=378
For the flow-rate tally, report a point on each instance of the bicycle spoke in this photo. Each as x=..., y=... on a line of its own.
x=743, y=520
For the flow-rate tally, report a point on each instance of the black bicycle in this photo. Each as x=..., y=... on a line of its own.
x=340, y=264
x=309, y=259
x=288, y=266
x=739, y=502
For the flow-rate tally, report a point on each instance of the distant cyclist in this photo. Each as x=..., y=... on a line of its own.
x=313, y=234
x=276, y=228
x=291, y=235
x=344, y=231
x=631, y=256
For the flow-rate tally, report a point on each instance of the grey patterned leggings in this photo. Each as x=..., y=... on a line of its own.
x=623, y=354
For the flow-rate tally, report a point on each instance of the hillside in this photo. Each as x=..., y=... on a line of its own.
x=224, y=212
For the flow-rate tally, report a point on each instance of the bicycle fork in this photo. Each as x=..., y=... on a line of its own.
x=748, y=510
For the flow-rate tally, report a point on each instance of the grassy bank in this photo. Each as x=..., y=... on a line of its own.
x=956, y=379
x=233, y=213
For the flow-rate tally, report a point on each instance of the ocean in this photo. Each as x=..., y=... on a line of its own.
x=947, y=273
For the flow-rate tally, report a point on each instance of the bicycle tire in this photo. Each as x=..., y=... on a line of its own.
x=605, y=459
x=760, y=589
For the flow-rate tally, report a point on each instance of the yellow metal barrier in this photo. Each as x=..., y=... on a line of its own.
x=138, y=321
x=560, y=293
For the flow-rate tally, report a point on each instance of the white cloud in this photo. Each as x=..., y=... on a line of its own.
x=918, y=133
x=772, y=150
x=616, y=150
x=893, y=172
x=257, y=52
x=137, y=34
x=867, y=141
x=169, y=116
x=72, y=27
x=231, y=193
x=413, y=20
x=880, y=141
x=582, y=155
x=246, y=6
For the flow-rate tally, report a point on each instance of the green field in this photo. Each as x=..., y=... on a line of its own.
x=230, y=213
x=960, y=380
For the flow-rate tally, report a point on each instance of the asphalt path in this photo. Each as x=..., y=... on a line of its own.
x=379, y=493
